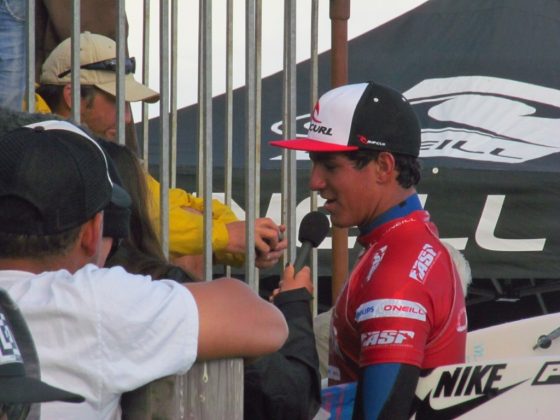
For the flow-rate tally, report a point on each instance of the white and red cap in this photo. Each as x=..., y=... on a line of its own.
x=360, y=116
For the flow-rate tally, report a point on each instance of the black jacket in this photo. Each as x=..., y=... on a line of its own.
x=286, y=384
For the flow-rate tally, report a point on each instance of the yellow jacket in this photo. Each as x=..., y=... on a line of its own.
x=186, y=227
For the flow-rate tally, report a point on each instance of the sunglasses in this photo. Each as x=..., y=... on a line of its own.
x=14, y=411
x=108, y=65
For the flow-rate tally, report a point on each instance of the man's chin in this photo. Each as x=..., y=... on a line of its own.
x=110, y=135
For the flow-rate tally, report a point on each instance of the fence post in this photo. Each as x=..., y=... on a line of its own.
x=208, y=391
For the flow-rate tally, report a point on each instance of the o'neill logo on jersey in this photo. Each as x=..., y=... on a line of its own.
x=387, y=308
x=486, y=118
x=386, y=337
x=423, y=263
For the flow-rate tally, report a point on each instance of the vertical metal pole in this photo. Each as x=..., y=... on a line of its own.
x=250, y=172
x=205, y=104
x=121, y=56
x=173, y=115
x=339, y=14
x=75, y=61
x=30, y=33
x=146, y=81
x=258, y=112
x=228, y=140
x=164, y=123
x=289, y=188
x=313, y=78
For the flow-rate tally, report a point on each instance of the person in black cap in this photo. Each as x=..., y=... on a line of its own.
x=402, y=308
x=18, y=389
x=116, y=220
x=102, y=332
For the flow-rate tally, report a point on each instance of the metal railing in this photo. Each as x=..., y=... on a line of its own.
x=189, y=395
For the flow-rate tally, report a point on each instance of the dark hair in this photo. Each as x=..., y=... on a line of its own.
x=13, y=245
x=407, y=166
x=52, y=94
x=141, y=252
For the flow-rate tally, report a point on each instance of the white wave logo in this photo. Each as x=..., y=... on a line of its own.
x=487, y=118
x=480, y=118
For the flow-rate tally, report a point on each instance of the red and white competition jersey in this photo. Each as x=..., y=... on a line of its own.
x=403, y=302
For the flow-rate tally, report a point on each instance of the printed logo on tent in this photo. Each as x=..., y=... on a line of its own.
x=486, y=118
x=477, y=118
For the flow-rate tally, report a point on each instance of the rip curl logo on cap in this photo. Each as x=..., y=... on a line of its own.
x=366, y=141
x=315, y=113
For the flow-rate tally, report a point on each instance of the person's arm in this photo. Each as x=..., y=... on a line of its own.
x=234, y=321
x=386, y=391
x=286, y=384
x=186, y=220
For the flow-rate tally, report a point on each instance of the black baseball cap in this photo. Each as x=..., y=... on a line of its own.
x=15, y=386
x=53, y=177
x=360, y=116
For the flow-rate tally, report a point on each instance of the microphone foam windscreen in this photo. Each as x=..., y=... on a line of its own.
x=314, y=228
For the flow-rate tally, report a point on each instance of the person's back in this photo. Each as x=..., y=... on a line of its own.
x=99, y=331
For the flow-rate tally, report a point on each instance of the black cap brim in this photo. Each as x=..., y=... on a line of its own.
x=20, y=390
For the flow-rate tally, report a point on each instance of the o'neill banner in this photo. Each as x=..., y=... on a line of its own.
x=484, y=79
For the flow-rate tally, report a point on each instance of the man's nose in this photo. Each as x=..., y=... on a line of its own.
x=316, y=181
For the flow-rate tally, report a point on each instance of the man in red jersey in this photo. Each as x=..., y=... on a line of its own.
x=402, y=308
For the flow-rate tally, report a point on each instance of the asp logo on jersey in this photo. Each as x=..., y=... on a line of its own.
x=386, y=337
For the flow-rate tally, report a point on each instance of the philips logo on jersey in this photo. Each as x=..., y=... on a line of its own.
x=376, y=260
x=386, y=337
x=423, y=263
x=386, y=308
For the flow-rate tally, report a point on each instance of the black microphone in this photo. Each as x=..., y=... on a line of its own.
x=312, y=230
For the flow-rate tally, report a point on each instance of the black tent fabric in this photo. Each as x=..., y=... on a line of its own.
x=483, y=76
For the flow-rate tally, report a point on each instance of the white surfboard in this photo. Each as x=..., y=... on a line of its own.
x=515, y=339
x=518, y=388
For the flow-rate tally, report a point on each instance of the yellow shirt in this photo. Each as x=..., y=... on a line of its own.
x=186, y=228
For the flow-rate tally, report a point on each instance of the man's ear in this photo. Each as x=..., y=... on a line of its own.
x=385, y=166
x=67, y=96
x=92, y=232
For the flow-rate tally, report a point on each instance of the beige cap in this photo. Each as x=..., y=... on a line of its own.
x=93, y=48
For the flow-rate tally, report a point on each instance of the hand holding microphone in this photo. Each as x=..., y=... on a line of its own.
x=313, y=229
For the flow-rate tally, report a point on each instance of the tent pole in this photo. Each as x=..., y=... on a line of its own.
x=339, y=14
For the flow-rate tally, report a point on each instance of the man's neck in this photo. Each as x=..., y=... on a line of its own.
x=406, y=204
x=38, y=265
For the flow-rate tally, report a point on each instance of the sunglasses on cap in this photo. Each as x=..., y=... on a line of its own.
x=11, y=411
x=109, y=65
